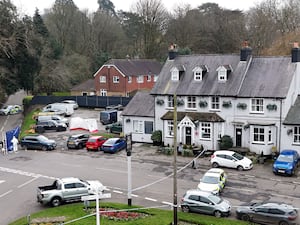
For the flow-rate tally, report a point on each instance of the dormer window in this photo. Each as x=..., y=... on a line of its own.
x=223, y=72
x=174, y=74
x=199, y=71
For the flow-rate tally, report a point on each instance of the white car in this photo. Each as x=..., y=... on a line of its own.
x=213, y=181
x=230, y=159
x=72, y=102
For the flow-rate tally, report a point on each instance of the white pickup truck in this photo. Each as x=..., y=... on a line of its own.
x=67, y=190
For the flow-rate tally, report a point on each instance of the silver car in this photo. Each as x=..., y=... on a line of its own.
x=268, y=213
x=205, y=202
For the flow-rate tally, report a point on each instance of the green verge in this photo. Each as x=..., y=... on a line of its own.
x=156, y=216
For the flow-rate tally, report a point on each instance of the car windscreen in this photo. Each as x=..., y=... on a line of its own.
x=43, y=138
x=238, y=156
x=214, y=198
x=210, y=180
x=285, y=158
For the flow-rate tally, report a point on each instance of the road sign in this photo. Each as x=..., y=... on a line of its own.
x=93, y=197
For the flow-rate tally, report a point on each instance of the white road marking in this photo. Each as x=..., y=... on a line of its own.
x=151, y=199
x=167, y=203
x=2, y=181
x=133, y=195
x=6, y=193
x=22, y=185
x=111, y=170
x=119, y=192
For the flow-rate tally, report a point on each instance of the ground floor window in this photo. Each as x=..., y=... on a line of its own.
x=103, y=92
x=205, y=129
x=148, y=127
x=259, y=134
x=138, y=126
x=170, y=128
x=297, y=135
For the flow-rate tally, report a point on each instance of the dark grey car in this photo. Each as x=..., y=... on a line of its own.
x=268, y=213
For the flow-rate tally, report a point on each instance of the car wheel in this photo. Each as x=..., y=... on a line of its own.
x=25, y=147
x=240, y=168
x=217, y=214
x=56, y=201
x=80, y=146
x=185, y=208
x=44, y=148
x=245, y=217
x=215, y=165
x=283, y=223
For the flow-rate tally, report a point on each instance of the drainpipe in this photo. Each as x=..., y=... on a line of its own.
x=280, y=127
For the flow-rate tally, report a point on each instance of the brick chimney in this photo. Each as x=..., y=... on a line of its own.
x=295, y=53
x=245, y=51
x=173, y=51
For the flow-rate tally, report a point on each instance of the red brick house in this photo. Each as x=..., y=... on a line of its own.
x=123, y=77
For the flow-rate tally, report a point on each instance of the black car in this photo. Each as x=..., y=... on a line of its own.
x=37, y=142
x=77, y=141
x=43, y=126
x=115, y=128
x=268, y=213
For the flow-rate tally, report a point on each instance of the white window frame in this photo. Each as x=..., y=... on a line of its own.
x=129, y=79
x=102, y=79
x=191, y=102
x=258, y=134
x=222, y=74
x=138, y=126
x=296, y=135
x=116, y=79
x=205, y=131
x=257, y=105
x=174, y=74
x=140, y=79
x=170, y=128
x=103, y=92
x=170, y=103
x=149, y=78
x=215, y=103
x=155, y=78
x=198, y=75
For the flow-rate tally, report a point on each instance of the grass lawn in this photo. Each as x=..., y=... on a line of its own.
x=149, y=216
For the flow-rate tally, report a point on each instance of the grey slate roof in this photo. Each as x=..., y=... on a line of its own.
x=136, y=67
x=265, y=76
x=194, y=116
x=142, y=105
x=293, y=116
x=87, y=85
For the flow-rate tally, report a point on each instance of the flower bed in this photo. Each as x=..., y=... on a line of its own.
x=118, y=215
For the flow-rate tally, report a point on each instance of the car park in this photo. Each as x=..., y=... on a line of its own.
x=205, y=202
x=114, y=128
x=113, y=145
x=286, y=163
x=43, y=126
x=213, y=181
x=267, y=213
x=10, y=110
x=72, y=102
x=95, y=143
x=230, y=159
x=77, y=141
x=37, y=142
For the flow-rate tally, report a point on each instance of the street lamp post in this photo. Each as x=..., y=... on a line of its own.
x=128, y=153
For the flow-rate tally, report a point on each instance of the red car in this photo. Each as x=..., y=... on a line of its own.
x=95, y=143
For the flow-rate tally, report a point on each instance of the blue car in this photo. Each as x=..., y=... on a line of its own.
x=286, y=163
x=113, y=145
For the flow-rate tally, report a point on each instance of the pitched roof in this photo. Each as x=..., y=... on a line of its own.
x=142, y=105
x=194, y=116
x=293, y=116
x=87, y=85
x=247, y=79
x=136, y=67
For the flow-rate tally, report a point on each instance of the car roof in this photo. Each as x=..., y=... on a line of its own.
x=95, y=137
x=211, y=174
x=198, y=192
x=281, y=206
x=227, y=152
x=215, y=170
x=288, y=152
x=77, y=135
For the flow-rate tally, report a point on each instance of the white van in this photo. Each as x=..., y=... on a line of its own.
x=66, y=108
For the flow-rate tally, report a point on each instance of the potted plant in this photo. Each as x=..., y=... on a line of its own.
x=226, y=142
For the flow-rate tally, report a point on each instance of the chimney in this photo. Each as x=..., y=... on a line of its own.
x=173, y=51
x=295, y=53
x=245, y=51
